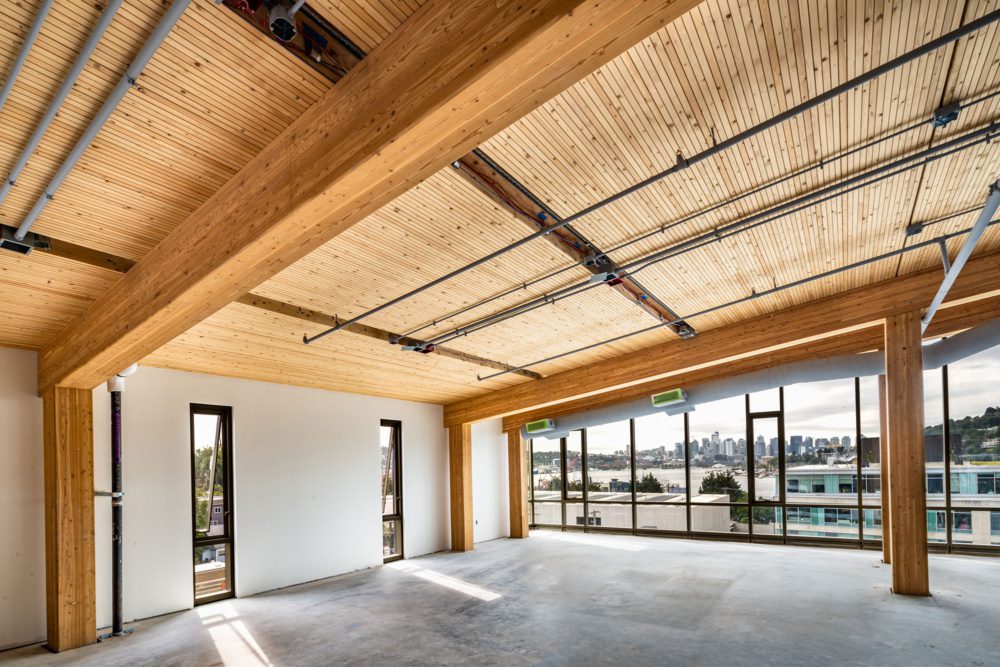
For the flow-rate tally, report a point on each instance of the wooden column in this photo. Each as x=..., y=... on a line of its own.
x=69, y=517
x=905, y=426
x=883, y=458
x=517, y=484
x=460, y=475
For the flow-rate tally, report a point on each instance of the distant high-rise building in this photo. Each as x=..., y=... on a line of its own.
x=795, y=445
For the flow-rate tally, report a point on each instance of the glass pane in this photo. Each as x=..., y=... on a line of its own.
x=547, y=514
x=574, y=514
x=870, y=444
x=766, y=459
x=659, y=458
x=718, y=519
x=574, y=465
x=767, y=521
x=609, y=467
x=209, y=470
x=390, y=534
x=606, y=515
x=820, y=456
x=211, y=570
x=974, y=425
x=825, y=522
x=768, y=400
x=545, y=473
x=873, y=524
x=662, y=517
x=934, y=437
x=937, y=528
x=388, y=470
x=718, y=450
x=980, y=527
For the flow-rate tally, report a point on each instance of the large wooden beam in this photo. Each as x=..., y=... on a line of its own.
x=827, y=317
x=69, y=518
x=460, y=481
x=884, y=472
x=904, y=384
x=517, y=484
x=455, y=73
x=949, y=320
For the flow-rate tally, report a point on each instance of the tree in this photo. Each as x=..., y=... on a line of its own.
x=722, y=482
x=649, y=484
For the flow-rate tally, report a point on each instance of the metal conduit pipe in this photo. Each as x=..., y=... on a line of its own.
x=683, y=163
x=29, y=40
x=57, y=101
x=825, y=162
x=752, y=297
x=784, y=209
x=954, y=268
x=128, y=80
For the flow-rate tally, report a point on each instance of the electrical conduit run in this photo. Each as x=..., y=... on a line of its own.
x=128, y=80
x=683, y=163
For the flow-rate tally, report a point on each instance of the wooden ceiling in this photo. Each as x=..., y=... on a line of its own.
x=218, y=91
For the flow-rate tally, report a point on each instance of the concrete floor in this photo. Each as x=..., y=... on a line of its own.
x=574, y=599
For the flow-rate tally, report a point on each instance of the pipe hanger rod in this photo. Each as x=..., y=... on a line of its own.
x=825, y=162
x=682, y=163
x=977, y=231
x=742, y=225
x=29, y=40
x=757, y=295
x=128, y=80
x=57, y=100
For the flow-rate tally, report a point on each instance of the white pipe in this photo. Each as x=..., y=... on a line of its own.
x=296, y=7
x=128, y=79
x=64, y=89
x=29, y=39
x=985, y=215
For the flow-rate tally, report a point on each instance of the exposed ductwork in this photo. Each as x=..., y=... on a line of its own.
x=57, y=101
x=128, y=80
x=29, y=40
x=935, y=355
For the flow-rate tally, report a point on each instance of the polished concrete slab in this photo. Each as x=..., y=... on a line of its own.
x=574, y=599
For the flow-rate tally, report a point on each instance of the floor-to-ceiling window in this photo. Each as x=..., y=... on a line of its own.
x=800, y=463
x=391, y=445
x=973, y=386
x=212, y=501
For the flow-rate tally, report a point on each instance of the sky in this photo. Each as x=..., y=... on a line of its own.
x=817, y=409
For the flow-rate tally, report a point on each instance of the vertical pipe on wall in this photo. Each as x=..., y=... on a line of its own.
x=117, y=628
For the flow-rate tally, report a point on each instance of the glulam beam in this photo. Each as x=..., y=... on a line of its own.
x=517, y=484
x=460, y=486
x=452, y=75
x=904, y=400
x=70, y=589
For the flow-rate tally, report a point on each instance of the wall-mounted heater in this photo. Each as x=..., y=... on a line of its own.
x=540, y=426
x=668, y=398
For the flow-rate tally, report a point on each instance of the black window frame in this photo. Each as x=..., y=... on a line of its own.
x=396, y=442
x=225, y=414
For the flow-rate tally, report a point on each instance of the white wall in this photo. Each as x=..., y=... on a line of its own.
x=490, y=500
x=306, y=488
x=306, y=473
x=22, y=514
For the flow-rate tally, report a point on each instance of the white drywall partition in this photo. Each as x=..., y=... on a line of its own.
x=22, y=513
x=306, y=474
x=490, y=501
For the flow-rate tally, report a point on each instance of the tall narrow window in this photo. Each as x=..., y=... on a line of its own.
x=390, y=442
x=212, y=501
